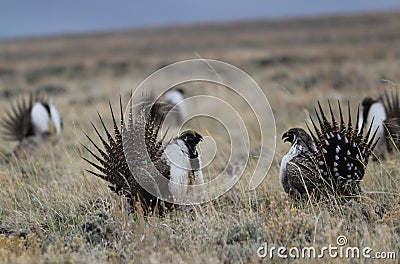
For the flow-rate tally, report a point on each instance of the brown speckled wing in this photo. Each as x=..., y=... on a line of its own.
x=301, y=178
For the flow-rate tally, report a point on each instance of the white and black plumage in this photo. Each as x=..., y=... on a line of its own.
x=386, y=113
x=331, y=160
x=177, y=161
x=30, y=121
x=184, y=162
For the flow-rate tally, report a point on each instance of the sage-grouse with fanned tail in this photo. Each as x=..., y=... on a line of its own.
x=329, y=161
x=31, y=121
x=123, y=162
x=386, y=113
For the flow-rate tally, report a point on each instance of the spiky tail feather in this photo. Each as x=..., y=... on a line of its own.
x=342, y=151
x=391, y=103
x=113, y=165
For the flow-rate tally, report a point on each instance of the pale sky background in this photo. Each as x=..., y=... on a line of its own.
x=33, y=18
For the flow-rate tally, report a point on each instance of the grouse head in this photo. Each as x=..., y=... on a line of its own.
x=298, y=136
x=368, y=101
x=191, y=138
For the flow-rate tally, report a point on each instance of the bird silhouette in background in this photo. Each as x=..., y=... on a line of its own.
x=386, y=113
x=122, y=161
x=31, y=121
x=329, y=161
x=172, y=103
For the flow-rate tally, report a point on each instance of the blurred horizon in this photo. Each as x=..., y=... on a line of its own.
x=44, y=18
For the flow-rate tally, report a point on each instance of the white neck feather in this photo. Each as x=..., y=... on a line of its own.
x=294, y=150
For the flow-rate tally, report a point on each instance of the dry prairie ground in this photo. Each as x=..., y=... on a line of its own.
x=51, y=210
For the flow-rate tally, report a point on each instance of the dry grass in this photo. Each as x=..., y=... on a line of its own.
x=51, y=210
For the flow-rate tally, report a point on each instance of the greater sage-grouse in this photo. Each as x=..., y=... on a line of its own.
x=123, y=162
x=386, y=113
x=31, y=121
x=329, y=161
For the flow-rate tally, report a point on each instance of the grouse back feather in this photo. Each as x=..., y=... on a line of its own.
x=337, y=163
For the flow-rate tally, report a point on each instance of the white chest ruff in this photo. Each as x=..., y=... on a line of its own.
x=293, y=152
x=378, y=114
x=182, y=173
x=42, y=119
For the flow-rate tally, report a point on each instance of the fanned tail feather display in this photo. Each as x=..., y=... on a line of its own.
x=116, y=169
x=342, y=152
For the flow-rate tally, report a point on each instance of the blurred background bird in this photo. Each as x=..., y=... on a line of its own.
x=31, y=121
x=136, y=155
x=385, y=111
x=330, y=162
x=171, y=105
